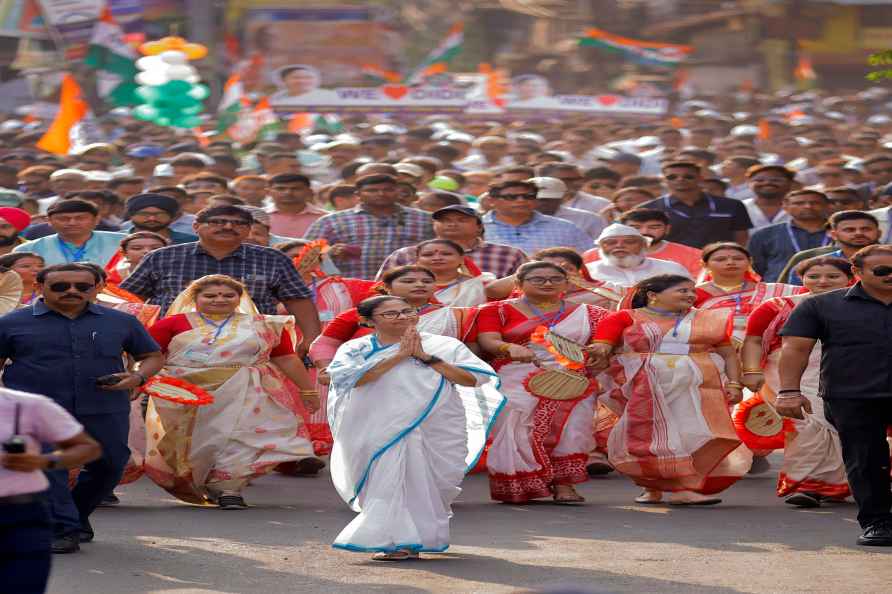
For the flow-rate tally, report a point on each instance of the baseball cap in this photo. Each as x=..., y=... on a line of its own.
x=550, y=188
x=409, y=169
x=465, y=210
x=141, y=151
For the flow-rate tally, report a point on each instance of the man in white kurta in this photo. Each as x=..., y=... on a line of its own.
x=623, y=261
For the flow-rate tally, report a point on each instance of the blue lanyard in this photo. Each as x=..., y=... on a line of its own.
x=552, y=317
x=70, y=254
x=679, y=318
x=219, y=326
x=674, y=210
x=795, y=242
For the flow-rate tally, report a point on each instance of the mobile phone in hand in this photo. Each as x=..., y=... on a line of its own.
x=108, y=380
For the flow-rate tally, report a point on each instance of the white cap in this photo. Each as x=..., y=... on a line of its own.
x=163, y=170
x=410, y=169
x=550, y=188
x=619, y=230
x=63, y=172
x=744, y=130
x=459, y=137
x=98, y=176
x=81, y=150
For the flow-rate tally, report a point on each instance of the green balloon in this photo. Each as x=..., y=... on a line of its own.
x=189, y=121
x=199, y=92
x=162, y=121
x=175, y=87
x=147, y=94
x=145, y=112
x=193, y=110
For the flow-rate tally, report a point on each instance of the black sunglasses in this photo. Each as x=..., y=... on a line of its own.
x=224, y=222
x=512, y=198
x=881, y=271
x=61, y=287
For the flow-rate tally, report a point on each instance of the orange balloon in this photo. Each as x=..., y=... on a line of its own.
x=193, y=51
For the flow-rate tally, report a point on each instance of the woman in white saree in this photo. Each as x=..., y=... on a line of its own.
x=459, y=282
x=409, y=413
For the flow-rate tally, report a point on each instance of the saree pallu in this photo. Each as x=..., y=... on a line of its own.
x=812, y=453
x=539, y=443
x=742, y=303
x=253, y=424
x=675, y=432
x=333, y=295
x=466, y=293
x=403, y=443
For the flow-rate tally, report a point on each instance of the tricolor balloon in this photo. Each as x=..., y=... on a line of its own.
x=169, y=85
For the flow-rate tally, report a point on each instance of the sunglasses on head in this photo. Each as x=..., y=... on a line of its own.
x=675, y=176
x=881, y=271
x=61, y=287
x=512, y=198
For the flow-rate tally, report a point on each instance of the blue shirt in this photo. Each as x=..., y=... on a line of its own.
x=774, y=245
x=99, y=249
x=540, y=232
x=61, y=358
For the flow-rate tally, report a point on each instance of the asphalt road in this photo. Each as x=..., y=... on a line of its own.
x=750, y=543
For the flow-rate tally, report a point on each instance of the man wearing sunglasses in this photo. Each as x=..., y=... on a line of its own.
x=60, y=347
x=222, y=248
x=515, y=221
x=698, y=218
x=854, y=326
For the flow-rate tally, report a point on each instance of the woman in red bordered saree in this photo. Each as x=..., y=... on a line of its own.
x=813, y=469
x=672, y=375
x=541, y=444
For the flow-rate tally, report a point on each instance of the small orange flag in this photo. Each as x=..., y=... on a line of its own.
x=300, y=122
x=72, y=109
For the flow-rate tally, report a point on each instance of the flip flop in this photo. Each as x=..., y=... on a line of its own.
x=702, y=502
x=401, y=555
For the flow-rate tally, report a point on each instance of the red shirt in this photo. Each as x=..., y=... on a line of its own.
x=164, y=330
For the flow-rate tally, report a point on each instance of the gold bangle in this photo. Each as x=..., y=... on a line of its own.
x=504, y=347
x=737, y=385
x=309, y=392
x=753, y=370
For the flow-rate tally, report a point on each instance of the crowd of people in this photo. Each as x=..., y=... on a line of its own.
x=543, y=301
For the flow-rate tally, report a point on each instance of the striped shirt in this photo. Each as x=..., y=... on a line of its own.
x=377, y=237
x=270, y=276
x=500, y=260
x=540, y=232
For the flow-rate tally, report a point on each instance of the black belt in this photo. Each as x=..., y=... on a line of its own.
x=20, y=499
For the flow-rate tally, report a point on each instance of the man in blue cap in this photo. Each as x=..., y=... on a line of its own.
x=142, y=158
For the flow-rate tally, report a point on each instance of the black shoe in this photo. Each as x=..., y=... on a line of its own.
x=803, y=500
x=65, y=544
x=86, y=533
x=109, y=500
x=598, y=469
x=231, y=502
x=305, y=467
x=760, y=465
x=878, y=534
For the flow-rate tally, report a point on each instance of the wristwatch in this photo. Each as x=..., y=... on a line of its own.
x=432, y=360
x=53, y=462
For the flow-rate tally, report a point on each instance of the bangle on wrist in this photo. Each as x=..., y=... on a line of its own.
x=504, y=347
x=737, y=385
x=789, y=392
x=753, y=370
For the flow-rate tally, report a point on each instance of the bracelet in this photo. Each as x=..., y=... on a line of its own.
x=787, y=397
x=737, y=385
x=789, y=392
x=753, y=370
x=504, y=347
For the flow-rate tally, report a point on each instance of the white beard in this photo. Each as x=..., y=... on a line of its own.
x=630, y=261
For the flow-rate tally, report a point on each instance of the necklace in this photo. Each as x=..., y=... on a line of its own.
x=542, y=304
x=729, y=288
x=665, y=313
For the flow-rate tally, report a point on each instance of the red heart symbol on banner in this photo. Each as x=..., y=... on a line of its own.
x=395, y=92
x=607, y=100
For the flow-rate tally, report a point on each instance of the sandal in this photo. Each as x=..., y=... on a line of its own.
x=650, y=497
x=400, y=555
x=570, y=497
x=694, y=499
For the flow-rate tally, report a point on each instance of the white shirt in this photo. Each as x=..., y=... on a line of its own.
x=40, y=421
x=589, y=222
x=589, y=202
x=760, y=219
x=626, y=277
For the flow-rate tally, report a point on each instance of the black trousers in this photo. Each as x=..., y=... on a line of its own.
x=25, y=536
x=861, y=424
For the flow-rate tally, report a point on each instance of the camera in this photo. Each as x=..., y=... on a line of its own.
x=14, y=445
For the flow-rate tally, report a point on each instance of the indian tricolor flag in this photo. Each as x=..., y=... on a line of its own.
x=440, y=56
x=232, y=103
x=114, y=61
x=648, y=53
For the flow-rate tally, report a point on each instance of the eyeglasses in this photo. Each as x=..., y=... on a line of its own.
x=881, y=271
x=224, y=222
x=540, y=281
x=61, y=287
x=403, y=313
x=514, y=197
x=674, y=176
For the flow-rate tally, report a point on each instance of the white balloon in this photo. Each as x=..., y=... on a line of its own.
x=152, y=78
x=194, y=79
x=181, y=72
x=173, y=57
x=150, y=63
